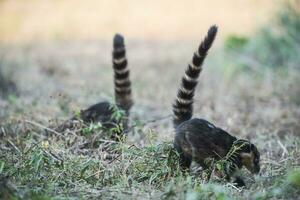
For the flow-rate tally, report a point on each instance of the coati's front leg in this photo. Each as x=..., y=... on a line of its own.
x=239, y=182
x=231, y=172
x=184, y=161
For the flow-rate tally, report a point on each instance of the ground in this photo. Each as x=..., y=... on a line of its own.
x=38, y=162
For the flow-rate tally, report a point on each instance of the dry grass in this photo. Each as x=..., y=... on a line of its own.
x=67, y=77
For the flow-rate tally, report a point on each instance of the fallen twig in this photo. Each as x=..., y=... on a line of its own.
x=43, y=127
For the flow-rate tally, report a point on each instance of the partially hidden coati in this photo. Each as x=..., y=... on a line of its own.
x=103, y=111
x=197, y=139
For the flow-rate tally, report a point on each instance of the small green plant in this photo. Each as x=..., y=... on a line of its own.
x=115, y=130
x=77, y=114
x=117, y=113
x=40, y=158
x=224, y=165
x=92, y=128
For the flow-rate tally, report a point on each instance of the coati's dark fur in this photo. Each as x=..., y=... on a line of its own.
x=103, y=111
x=197, y=139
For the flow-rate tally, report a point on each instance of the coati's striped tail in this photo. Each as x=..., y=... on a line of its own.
x=183, y=106
x=122, y=82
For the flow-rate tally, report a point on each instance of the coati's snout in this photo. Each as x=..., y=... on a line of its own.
x=250, y=158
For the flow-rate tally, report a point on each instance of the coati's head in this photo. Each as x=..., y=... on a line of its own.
x=248, y=155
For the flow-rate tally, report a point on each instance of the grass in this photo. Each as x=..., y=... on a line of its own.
x=40, y=165
x=81, y=163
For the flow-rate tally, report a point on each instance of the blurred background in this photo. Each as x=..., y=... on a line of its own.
x=55, y=58
x=29, y=21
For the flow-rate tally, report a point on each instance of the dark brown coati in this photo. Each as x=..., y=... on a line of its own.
x=199, y=140
x=104, y=111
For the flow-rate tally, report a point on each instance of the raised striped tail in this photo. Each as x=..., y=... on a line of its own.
x=123, y=96
x=183, y=106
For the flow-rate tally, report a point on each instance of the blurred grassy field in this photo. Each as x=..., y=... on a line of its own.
x=32, y=20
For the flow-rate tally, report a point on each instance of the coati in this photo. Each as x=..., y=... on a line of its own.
x=103, y=111
x=199, y=140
